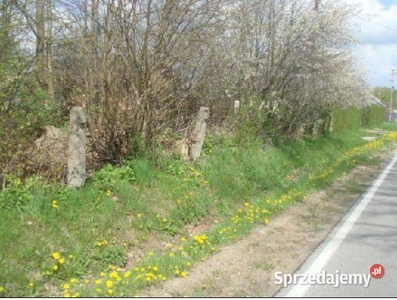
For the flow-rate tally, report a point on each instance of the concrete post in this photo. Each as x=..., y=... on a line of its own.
x=77, y=147
x=198, y=133
x=236, y=106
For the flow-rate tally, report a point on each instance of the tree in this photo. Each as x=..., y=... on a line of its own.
x=141, y=66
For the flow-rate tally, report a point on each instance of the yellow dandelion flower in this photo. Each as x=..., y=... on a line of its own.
x=76, y=295
x=109, y=283
x=108, y=193
x=172, y=254
x=67, y=295
x=148, y=278
x=61, y=261
x=87, y=281
x=99, y=291
x=56, y=255
x=1, y=289
x=183, y=274
x=127, y=274
x=114, y=274
x=246, y=204
x=66, y=286
x=31, y=284
x=188, y=264
x=55, y=267
x=98, y=281
x=155, y=268
x=102, y=274
x=73, y=280
x=266, y=221
x=110, y=292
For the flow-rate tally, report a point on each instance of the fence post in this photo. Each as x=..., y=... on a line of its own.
x=236, y=106
x=198, y=133
x=77, y=147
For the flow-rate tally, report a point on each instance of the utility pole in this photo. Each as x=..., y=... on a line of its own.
x=393, y=72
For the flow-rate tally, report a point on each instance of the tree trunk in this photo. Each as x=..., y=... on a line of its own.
x=50, y=72
x=5, y=27
x=40, y=43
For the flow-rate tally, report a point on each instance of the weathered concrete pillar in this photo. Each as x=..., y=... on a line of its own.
x=198, y=133
x=77, y=145
x=236, y=106
x=315, y=129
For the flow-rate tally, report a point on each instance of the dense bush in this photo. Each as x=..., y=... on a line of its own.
x=346, y=118
x=21, y=122
x=354, y=117
x=373, y=115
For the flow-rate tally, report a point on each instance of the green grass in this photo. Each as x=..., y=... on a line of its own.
x=157, y=220
x=391, y=126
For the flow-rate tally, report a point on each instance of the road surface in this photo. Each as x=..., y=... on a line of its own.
x=367, y=235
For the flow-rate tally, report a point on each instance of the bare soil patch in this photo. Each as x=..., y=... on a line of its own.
x=246, y=268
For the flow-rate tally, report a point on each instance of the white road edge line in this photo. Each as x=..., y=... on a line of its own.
x=332, y=246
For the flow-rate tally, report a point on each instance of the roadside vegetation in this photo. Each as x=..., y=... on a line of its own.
x=286, y=112
x=138, y=224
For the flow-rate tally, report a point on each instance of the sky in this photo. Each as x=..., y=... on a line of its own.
x=377, y=31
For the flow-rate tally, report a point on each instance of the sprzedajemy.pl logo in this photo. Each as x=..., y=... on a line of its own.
x=334, y=279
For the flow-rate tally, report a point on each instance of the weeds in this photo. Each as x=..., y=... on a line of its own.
x=134, y=226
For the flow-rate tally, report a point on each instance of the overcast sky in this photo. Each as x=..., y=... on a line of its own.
x=377, y=31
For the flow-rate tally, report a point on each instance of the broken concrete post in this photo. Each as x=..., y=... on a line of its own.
x=198, y=133
x=77, y=145
x=236, y=106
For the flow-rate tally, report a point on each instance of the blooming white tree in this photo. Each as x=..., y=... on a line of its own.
x=140, y=66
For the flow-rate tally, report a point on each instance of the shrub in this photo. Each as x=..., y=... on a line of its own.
x=109, y=176
x=21, y=122
x=373, y=115
x=346, y=118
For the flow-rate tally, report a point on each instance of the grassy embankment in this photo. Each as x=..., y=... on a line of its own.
x=137, y=225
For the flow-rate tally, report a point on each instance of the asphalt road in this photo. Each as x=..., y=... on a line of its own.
x=367, y=235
